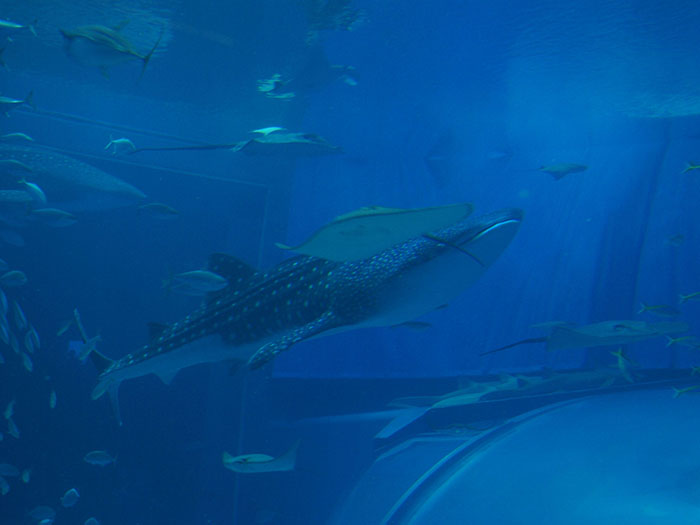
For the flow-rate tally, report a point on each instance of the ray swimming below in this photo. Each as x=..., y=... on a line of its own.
x=258, y=315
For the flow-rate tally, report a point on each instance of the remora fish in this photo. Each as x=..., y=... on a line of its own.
x=262, y=314
x=72, y=184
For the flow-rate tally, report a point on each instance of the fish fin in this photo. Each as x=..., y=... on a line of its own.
x=89, y=347
x=167, y=377
x=101, y=362
x=111, y=386
x=291, y=455
x=113, y=392
x=234, y=270
x=147, y=58
x=283, y=246
x=32, y=28
x=155, y=330
x=558, y=176
x=29, y=100
x=522, y=342
x=269, y=351
x=238, y=146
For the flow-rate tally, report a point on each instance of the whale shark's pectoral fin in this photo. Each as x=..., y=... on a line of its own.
x=269, y=351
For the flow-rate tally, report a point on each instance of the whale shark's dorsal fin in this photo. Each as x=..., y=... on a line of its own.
x=234, y=270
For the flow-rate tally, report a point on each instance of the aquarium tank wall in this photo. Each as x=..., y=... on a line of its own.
x=339, y=261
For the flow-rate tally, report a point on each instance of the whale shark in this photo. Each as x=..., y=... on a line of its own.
x=68, y=182
x=261, y=314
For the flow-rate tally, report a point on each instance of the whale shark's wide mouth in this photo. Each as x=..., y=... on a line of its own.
x=488, y=225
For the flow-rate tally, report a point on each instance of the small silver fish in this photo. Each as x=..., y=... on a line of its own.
x=65, y=325
x=19, y=317
x=35, y=191
x=13, y=278
x=27, y=362
x=22, y=136
x=26, y=475
x=120, y=146
x=7, y=104
x=34, y=336
x=160, y=210
x=91, y=521
x=54, y=217
x=14, y=165
x=10, y=409
x=661, y=310
x=52, y=399
x=70, y=498
x=695, y=296
x=99, y=458
x=28, y=344
x=8, y=25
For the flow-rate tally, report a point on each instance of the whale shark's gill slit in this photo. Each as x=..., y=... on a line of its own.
x=456, y=247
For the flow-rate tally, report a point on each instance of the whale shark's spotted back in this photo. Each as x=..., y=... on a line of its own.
x=258, y=314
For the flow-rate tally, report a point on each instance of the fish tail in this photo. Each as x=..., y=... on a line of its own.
x=29, y=100
x=32, y=28
x=290, y=457
x=147, y=58
x=101, y=362
x=106, y=383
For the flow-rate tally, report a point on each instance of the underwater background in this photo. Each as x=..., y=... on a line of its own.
x=582, y=114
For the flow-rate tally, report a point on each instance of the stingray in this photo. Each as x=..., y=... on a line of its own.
x=565, y=335
x=559, y=171
x=365, y=232
x=277, y=144
x=72, y=183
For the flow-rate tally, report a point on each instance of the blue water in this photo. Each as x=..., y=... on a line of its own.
x=453, y=102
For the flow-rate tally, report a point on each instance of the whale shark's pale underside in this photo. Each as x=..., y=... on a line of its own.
x=261, y=314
